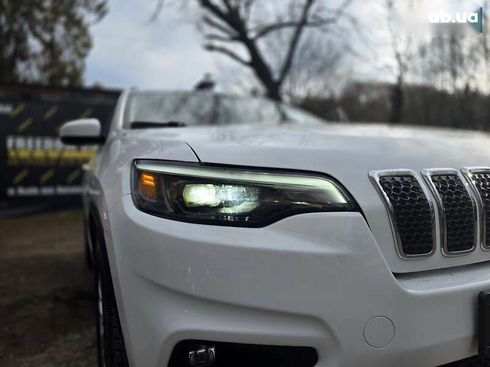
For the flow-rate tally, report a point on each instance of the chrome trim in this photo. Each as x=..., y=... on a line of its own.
x=427, y=175
x=374, y=176
x=467, y=171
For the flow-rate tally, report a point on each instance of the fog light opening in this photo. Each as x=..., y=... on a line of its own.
x=202, y=355
x=209, y=353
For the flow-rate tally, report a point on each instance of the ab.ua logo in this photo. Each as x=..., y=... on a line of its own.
x=474, y=19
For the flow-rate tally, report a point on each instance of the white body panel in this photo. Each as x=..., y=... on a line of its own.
x=308, y=280
x=82, y=128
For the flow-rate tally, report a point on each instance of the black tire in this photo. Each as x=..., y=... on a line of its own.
x=110, y=341
x=88, y=256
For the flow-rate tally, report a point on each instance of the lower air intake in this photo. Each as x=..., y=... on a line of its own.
x=243, y=355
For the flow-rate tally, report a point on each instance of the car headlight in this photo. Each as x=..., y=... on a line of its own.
x=232, y=196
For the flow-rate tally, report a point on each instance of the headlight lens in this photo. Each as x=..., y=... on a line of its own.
x=229, y=196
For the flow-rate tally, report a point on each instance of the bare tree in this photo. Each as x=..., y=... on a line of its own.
x=317, y=70
x=402, y=52
x=239, y=29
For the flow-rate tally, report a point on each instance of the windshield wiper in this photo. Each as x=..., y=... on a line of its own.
x=149, y=125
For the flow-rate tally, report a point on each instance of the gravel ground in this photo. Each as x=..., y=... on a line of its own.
x=46, y=297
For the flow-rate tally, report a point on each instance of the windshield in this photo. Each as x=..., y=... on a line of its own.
x=201, y=108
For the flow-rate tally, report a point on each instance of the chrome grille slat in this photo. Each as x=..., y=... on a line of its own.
x=410, y=210
x=457, y=210
x=479, y=180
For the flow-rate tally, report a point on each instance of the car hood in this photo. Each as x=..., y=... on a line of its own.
x=346, y=152
x=335, y=148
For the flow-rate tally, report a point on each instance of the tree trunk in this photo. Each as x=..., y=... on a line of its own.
x=397, y=102
x=274, y=92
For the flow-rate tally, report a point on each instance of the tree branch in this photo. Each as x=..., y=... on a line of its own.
x=210, y=22
x=263, y=31
x=214, y=48
x=228, y=6
x=156, y=13
x=230, y=17
x=315, y=21
x=247, y=7
x=295, y=40
x=216, y=10
x=220, y=38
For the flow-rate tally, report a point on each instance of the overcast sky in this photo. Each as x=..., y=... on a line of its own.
x=167, y=54
x=130, y=51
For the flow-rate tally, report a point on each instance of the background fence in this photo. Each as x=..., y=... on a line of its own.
x=37, y=169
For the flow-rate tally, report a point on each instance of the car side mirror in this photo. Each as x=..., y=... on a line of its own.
x=81, y=132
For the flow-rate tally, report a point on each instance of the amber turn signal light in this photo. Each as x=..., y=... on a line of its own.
x=148, y=185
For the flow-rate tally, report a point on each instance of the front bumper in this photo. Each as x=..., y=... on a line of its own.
x=316, y=280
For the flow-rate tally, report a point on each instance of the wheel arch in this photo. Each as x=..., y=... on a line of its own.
x=94, y=227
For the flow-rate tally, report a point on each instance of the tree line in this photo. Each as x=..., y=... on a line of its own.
x=294, y=50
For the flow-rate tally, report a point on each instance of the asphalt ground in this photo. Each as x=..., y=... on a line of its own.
x=46, y=293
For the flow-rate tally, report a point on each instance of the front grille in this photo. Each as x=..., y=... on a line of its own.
x=459, y=200
x=481, y=181
x=458, y=212
x=411, y=214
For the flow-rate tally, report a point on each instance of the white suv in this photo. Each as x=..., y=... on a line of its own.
x=236, y=231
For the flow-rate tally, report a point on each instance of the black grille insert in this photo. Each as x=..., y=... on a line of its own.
x=481, y=181
x=459, y=212
x=411, y=214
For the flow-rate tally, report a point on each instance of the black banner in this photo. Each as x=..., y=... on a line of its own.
x=36, y=167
